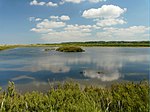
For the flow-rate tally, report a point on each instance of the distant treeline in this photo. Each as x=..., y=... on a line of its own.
x=107, y=43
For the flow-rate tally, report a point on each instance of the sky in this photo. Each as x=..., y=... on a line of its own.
x=55, y=21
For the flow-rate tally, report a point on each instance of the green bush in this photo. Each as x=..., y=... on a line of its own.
x=70, y=49
x=69, y=97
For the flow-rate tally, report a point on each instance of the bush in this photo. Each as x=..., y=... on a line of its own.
x=70, y=49
x=68, y=97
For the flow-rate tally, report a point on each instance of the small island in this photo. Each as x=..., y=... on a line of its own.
x=70, y=49
x=49, y=49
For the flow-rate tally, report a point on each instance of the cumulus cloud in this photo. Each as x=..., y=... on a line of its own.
x=110, y=22
x=52, y=4
x=107, y=15
x=96, y=1
x=71, y=1
x=38, y=19
x=34, y=2
x=76, y=27
x=71, y=33
x=106, y=11
x=54, y=17
x=80, y=1
x=66, y=36
x=65, y=18
x=41, y=30
x=129, y=33
x=55, y=29
x=50, y=24
x=58, y=18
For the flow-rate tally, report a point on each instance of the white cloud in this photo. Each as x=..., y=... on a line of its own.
x=32, y=19
x=57, y=18
x=66, y=36
x=54, y=17
x=51, y=4
x=106, y=11
x=71, y=1
x=96, y=1
x=76, y=27
x=65, y=18
x=80, y=1
x=41, y=30
x=34, y=2
x=38, y=19
x=69, y=33
x=110, y=22
x=102, y=76
x=46, y=24
x=123, y=34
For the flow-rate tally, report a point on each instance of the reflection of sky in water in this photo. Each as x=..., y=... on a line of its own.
x=24, y=65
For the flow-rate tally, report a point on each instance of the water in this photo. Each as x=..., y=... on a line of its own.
x=32, y=68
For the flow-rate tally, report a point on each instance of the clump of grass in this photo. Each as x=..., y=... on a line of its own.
x=70, y=49
x=49, y=49
x=69, y=97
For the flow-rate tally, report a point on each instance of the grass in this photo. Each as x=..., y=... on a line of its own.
x=69, y=49
x=69, y=97
x=6, y=47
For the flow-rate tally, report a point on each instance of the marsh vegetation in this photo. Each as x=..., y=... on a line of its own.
x=68, y=97
x=69, y=49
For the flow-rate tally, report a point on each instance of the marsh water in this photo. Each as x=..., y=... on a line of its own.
x=34, y=68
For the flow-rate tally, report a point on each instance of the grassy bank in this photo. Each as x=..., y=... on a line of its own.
x=69, y=97
x=6, y=47
x=85, y=44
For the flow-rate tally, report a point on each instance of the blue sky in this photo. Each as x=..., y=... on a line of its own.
x=49, y=21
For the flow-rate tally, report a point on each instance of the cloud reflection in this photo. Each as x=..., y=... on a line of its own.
x=102, y=76
x=108, y=60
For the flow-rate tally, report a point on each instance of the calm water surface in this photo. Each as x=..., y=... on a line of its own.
x=31, y=68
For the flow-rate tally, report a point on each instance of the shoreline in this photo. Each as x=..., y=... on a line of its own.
x=5, y=47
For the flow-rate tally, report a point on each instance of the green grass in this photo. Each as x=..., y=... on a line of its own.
x=6, y=47
x=69, y=49
x=69, y=97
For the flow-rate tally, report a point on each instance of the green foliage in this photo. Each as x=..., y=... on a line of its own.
x=69, y=97
x=70, y=49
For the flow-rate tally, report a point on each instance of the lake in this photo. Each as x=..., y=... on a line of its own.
x=32, y=68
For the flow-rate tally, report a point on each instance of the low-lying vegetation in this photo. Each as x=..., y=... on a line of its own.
x=6, y=47
x=69, y=49
x=69, y=97
x=85, y=44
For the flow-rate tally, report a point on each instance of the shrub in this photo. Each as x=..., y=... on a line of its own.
x=68, y=97
x=70, y=49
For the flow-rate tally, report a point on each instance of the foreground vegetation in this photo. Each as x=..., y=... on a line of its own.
x=69, y=49
x=69, y=97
